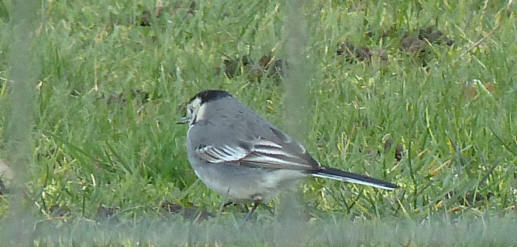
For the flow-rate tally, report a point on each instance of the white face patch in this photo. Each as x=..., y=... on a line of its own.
x=193, y=109
x=200, y=114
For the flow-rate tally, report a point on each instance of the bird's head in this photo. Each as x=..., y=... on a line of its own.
x=197, y=105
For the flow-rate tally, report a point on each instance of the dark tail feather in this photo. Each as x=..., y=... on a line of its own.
x=333, y=173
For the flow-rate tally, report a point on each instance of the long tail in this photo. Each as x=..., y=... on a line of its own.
x=333, y=173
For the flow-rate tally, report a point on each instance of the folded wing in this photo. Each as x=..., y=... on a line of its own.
x=261, y=153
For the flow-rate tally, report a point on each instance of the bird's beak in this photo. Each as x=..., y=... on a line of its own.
x=183, y=120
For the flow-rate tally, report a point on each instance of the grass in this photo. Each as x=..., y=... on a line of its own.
x=112, y=81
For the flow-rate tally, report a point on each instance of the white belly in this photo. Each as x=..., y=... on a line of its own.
x=246, y=184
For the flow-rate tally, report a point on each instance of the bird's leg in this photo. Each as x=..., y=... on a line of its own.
x=223, y=205
x=250, y=213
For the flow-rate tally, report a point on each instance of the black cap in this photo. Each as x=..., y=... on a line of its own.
x=209, y=95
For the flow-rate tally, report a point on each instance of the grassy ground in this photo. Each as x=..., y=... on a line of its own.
x=422, y=94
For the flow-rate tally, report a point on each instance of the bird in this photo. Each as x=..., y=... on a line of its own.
x=245, y=158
